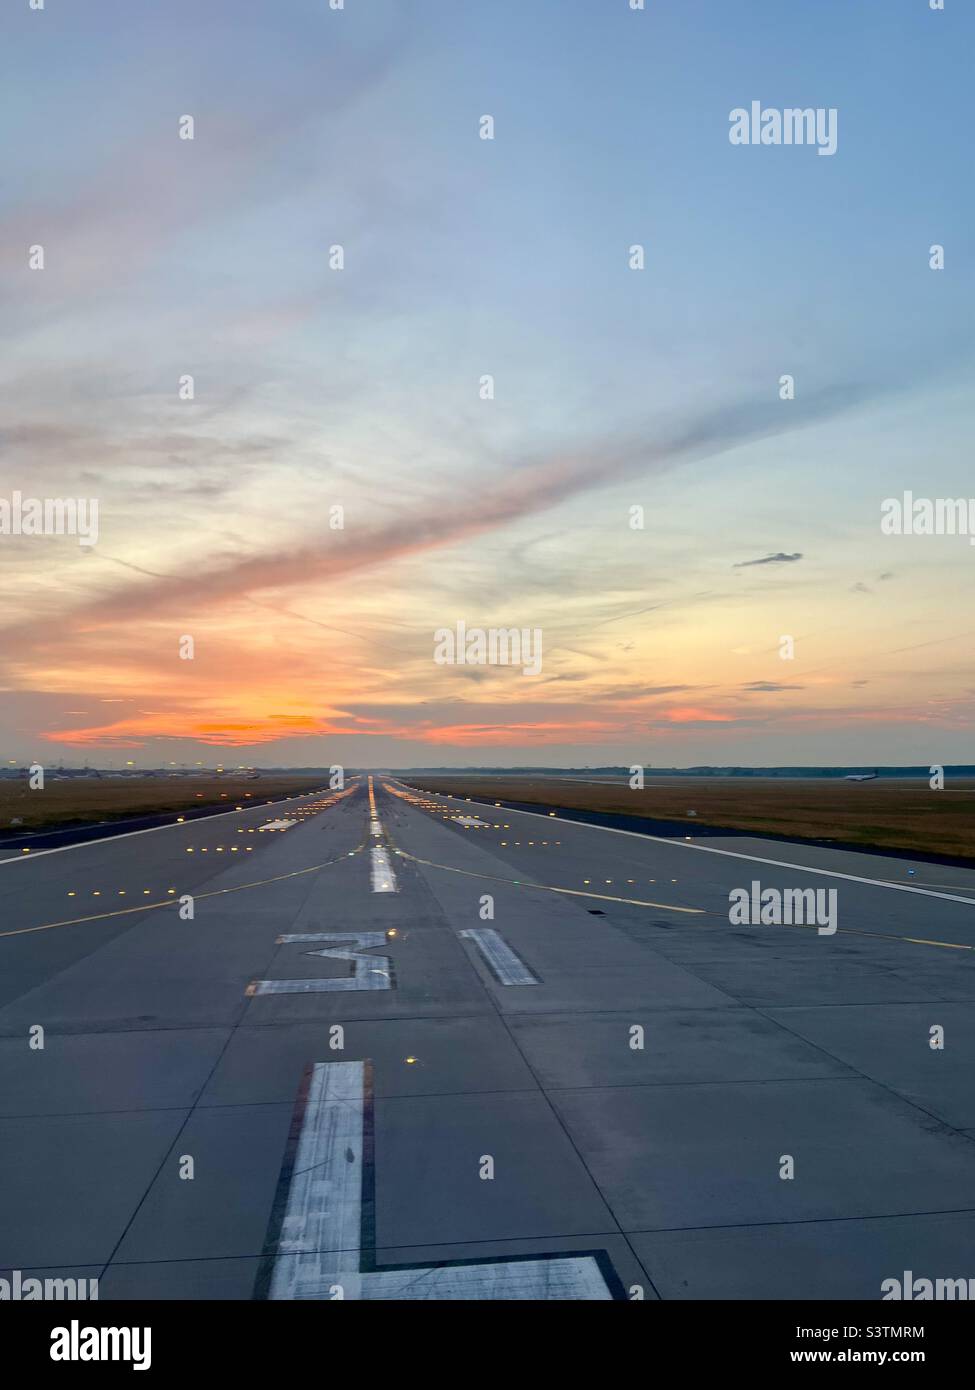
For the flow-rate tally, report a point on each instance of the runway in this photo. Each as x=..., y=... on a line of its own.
x=413, y=1047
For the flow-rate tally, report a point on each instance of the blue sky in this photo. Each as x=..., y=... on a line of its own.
x=466, y=257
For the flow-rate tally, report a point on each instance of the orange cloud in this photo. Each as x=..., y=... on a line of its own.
x=689, y=714
x=134, y=732
x=490, y=734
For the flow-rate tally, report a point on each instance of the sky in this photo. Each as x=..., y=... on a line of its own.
x=360, y=388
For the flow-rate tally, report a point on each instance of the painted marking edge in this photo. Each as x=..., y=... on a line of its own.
x=367, y=1233
x=472, y=934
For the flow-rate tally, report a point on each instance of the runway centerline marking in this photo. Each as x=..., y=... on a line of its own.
x=383, y=877
x=319, y=1250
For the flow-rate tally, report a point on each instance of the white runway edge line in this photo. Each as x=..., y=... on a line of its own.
x=319, y=1251
x=503, y=962
x=752, y=858
x=149, y=830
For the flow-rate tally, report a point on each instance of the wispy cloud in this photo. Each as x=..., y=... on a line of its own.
x=779, y=558
x=768, y=686
x=528, y=487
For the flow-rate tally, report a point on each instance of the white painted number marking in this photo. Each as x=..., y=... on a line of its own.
x=371, y=972
x=320, y=1245
x=502, y=961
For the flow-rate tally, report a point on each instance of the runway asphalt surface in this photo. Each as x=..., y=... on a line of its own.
x=453, y=1104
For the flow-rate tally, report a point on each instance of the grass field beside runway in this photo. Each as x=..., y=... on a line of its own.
x=79, y=802
x=890, y=813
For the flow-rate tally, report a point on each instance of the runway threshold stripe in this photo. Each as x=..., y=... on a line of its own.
x=504, y=963
x=319, y=1251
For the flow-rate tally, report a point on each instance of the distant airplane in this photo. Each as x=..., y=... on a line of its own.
x=860, y=777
